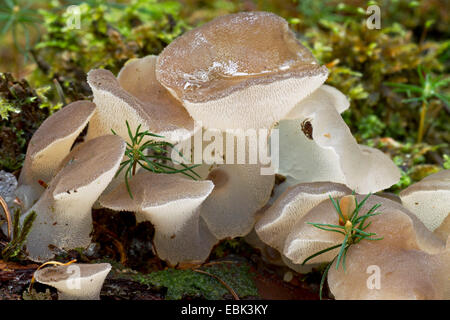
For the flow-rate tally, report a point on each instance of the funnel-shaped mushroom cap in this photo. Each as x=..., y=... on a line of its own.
x=49, y=145
x=278, y=221
x=138, y=98
x=64, y=210
x=376, y=270
x=319, y=146
x=75, y=281
x=240, y=190
x=172, y=204
x=244, y=70
x=399, y=227
x=429, y=199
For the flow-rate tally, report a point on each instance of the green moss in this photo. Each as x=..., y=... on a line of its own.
x=411, y=160
x=108, y=36
x=22, y=110
x=13, y=249
x=370, y=127
x=446, y=163
x=34, y=295
x=188, y=283
x=360, y=60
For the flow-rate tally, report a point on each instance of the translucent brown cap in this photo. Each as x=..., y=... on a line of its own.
x=232, y=53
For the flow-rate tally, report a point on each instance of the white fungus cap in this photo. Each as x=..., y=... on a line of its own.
x=64, y=217
x=429, y=199
x=278, y=221
x=244, y=70
x=172, y=204
x=305, y=239
x=49, y=145
x=240, y=190
x=325, y=94
x=137, y=97
x=75, y=281
x=318, y=146
x=394, y=268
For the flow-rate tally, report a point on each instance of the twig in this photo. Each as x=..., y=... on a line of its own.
x=212, y=263
x=7, y=214
x=233, y=293
x=46, y=264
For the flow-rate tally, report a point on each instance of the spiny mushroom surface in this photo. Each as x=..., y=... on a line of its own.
x=137, y=97
x=49, y=145
x=278, y=221
x=429, y=199
x=314, y=135
x=75, y=281
x=64, y=210
x=244, y=70
x=392, y=268
x=172, y=204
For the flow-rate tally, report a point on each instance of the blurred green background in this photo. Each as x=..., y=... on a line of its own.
x=396, y=77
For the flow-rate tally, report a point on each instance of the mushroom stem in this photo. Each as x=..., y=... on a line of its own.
x=189, y=229
x=64, y=217
x=75, y=281
x=172, y=204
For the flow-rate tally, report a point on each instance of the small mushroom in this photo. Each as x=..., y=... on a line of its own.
x=318, y=146
x=75, y=281
x=278, y=221
x=172, y=204
x=305, y=240
x=429, y=199
x=64, y=210
x=239, y=71
x=49, y=145
x=240, y=190
x=137, y=97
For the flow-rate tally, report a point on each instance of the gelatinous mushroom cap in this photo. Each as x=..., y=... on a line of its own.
x=318, y=146
x=135, y=96
x=400, y=228
x=49, y=145
x=244, y=70
x=429, y=199
x=75, y=281
x=172, y=203
x=240, y=190
x=324, y=95
x=278, y=221
x=64, y=210
x=375, y=270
